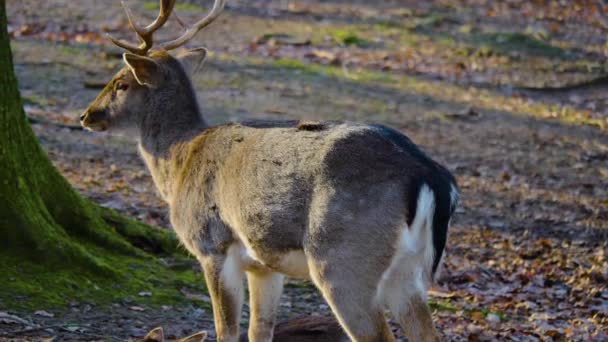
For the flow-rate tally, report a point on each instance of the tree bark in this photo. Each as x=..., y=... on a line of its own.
x=42, y=218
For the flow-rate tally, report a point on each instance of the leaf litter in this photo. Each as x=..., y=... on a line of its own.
x=526, y=258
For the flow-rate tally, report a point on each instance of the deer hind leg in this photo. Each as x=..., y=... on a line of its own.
x=416, y=320
x=404, y=294
x=403, y=285
x=224, y=276
x=351, y=298
x=265, y=290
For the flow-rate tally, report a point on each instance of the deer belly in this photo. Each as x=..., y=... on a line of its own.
x=292, y=263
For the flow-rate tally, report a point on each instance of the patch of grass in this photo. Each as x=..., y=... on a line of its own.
x=70, y=49
x=188, y=7
x=509, y=43
x=348, y=37
x=324, y=70
x=34, y=100
x=442, y=306
x=449, y=307
x=387, y=25
x=151, y=5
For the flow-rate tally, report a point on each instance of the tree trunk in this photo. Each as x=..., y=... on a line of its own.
x=43, y=220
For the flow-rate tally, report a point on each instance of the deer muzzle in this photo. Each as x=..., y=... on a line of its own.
x=94, y=120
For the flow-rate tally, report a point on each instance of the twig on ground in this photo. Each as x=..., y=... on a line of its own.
x=600, y=80
x=29, y=330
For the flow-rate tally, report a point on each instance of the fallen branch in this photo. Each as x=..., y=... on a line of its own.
x=600, y=80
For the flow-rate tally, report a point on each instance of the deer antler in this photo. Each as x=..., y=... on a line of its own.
x=218, y=6
x=145, y=34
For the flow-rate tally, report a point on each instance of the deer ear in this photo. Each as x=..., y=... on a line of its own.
x=155, y=335
x=193, y=59
x=145, y=70
x=198, y=337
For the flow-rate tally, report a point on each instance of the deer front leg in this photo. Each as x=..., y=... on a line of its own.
x=265, y=290
x=224, y=276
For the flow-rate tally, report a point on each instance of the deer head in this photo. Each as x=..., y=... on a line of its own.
x=152, y=82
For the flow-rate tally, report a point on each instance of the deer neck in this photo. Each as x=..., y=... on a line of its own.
x=163, y=145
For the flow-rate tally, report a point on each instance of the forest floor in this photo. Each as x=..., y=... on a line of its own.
x=510, y=96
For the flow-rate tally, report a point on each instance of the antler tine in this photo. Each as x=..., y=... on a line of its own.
x=145, y=34
x=218, y=6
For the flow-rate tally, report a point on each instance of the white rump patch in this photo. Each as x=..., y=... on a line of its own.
x=410, y=270
x=454, y=196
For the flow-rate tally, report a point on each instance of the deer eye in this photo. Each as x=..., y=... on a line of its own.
x=122, y=86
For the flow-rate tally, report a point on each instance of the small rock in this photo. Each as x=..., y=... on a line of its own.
x=73, y=328
x=145, y=294
x=7, y=318
x=136, y=308
x=43, y=313
x=198, y=313
x=195, y=296
x=137, y=332
x=493, y=318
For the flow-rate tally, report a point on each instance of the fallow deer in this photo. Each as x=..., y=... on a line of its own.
x=358, y=209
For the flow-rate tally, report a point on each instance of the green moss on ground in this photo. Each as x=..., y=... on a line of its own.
x=28, y=285
x=125, y=258
x=314, y=69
